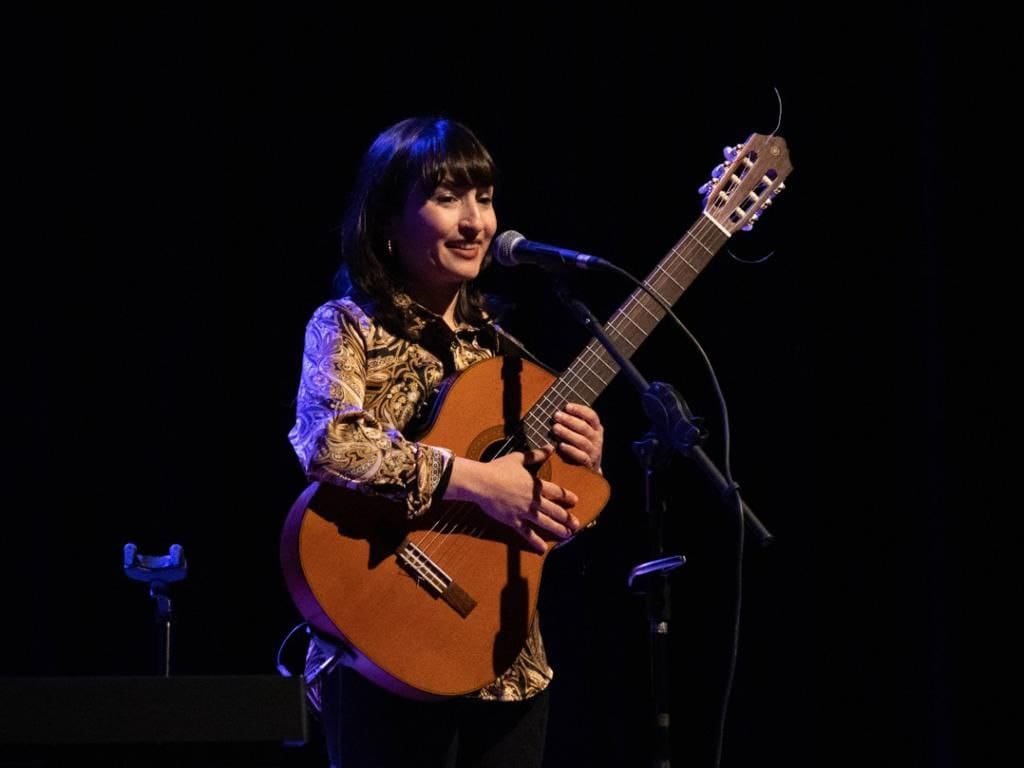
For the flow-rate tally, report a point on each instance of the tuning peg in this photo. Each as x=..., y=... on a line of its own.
x=718, y=172
x=705, y=188
x=750, y=224
x=731, y=153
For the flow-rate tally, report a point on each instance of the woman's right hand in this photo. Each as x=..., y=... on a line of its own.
x=509, y=493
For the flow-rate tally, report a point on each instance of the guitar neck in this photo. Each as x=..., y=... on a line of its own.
x=594, y=368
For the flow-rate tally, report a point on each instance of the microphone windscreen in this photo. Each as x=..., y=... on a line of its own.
x=502, y=246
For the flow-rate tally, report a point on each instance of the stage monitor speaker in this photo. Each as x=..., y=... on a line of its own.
x=153, y=710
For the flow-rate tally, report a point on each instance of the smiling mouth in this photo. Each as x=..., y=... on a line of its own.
x=466, y=249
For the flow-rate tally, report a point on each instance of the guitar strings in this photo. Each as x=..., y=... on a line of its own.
x=555, y=396
x=434, y=541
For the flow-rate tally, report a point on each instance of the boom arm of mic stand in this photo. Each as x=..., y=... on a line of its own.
x=682, y=432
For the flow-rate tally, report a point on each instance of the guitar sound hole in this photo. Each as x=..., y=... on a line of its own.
x=492, y=450
x=501, y=448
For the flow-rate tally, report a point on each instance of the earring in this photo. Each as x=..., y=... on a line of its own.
x=391, y=250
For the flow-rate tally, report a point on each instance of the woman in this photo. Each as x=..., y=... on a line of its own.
x=414, y=239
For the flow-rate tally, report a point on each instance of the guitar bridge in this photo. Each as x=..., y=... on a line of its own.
x=433, y=578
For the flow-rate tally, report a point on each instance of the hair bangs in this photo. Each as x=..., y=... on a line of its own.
x=452, y=155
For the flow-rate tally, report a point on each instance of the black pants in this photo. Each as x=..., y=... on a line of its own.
x=367, y=727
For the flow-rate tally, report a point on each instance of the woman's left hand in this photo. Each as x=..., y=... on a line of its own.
x=580, y=435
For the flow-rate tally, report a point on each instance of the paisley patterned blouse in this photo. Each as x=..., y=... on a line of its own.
x=361, y=386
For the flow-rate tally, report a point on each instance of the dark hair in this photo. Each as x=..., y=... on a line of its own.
x=423, y=151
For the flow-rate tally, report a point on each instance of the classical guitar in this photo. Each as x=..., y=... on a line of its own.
x=441, y=606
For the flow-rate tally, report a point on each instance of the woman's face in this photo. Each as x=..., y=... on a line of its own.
x=441, y=238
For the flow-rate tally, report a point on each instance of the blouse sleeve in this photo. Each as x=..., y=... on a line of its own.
x=339, y=442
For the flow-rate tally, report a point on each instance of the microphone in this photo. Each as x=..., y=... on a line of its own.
x=510, y=249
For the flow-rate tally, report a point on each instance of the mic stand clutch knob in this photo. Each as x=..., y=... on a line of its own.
x=661, y=565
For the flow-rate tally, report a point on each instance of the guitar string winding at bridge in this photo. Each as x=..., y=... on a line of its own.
x=431, y=577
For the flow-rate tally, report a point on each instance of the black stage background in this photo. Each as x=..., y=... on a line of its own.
x=179, y=178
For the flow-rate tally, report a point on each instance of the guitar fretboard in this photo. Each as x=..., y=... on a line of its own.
x=594, y=368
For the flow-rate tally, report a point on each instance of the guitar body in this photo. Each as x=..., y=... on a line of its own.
x=430, y=613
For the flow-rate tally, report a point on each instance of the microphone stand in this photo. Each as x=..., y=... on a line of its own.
x=672, y=425
x=159, y=572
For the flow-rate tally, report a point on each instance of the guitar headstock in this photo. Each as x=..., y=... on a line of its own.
x=744, y=185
